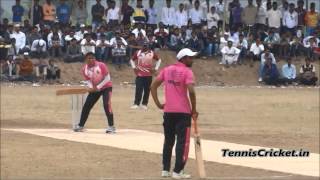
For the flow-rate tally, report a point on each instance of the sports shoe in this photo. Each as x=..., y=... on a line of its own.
x=180, y=175
x=111, y=130
x=260, y=79
x=144, y=107
x=134, y=106
x=165, y=174
x=78, y=129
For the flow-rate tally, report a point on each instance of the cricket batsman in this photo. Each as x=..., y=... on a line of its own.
x=178, y=80
x=99, y=84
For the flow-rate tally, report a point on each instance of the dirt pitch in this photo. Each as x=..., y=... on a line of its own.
x=284, y=118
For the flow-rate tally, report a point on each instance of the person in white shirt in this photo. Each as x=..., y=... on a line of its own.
x=181, y=17
x=212, y=18
x=102, y=48
x=206, y=6
x=230, y=54
x=242, y=44
x=81, y=32
x=113, y=14
x=255, y=51
x=220, y=9
x=224, y=40
x=196, y=15
x=113, y=41
x=290, y=20
x=70, y=36
x=261, y=15
x=87, y=44
x=20, y=38
x=138, y=30
x=168, y=14
x=38, y=49
x=310, y=43
x=264, y=56
x=274, y=16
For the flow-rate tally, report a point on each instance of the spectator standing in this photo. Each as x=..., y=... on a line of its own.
x=139, y=13
x=308, y=73
x=248, y=15
x=274, y=17
x=49, y=12
x=289, y=72
x=20, y=38
x=181, y=17
x=301, y=13
x=37, y=13
x=261, y=16
x=168, y=14
x=220, y=9
x=17, y=12
x=213, y=18
x=236, y=16
x=151, y=16
x=311, y=20
x=79, y=14
x=63, y=13
x=290, y=20
x=113, y=15
x=126, y=12
x=97, y=12
x=196, y=15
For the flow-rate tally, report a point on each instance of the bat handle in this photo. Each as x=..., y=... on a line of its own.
x=195, y=125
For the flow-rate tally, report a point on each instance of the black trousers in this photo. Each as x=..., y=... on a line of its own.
x=176, y=124
x=142, y=86
x=91, y=101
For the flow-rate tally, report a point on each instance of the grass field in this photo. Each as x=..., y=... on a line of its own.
x=272, y=117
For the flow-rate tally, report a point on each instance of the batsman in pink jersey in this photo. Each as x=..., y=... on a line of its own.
x=99, y=83
x=178, y=82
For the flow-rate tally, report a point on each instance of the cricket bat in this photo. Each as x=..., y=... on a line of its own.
x=70, y=91
x=198, y=151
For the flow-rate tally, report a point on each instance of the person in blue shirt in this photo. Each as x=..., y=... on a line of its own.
x=270, y=73
x=17, y=11
x=63, y=13
x=289, y=72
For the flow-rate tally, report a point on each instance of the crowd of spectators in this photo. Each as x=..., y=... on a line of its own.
x=263, y=32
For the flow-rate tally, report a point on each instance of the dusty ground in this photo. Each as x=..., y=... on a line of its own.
x=287, y=118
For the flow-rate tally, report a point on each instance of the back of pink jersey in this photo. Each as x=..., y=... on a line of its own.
x=176, y=78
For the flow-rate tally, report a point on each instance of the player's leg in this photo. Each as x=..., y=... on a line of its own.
x=169, y=139
x=91, y=100
x=106, y=94
x=146, y=90
x=182, y=129
x=139, y=90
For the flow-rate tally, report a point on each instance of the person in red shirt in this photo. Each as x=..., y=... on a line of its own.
x=143, y=64
x=99, y=84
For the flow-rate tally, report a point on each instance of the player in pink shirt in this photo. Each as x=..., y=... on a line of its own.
x=99, y=84
x=145, y=63
x=178, y=80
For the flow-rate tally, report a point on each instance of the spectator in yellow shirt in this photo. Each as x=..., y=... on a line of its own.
x=49, y=12
x=311, y=19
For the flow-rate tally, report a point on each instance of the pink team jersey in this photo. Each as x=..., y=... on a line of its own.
x=144, y=62
x=97, y=75
x=176, y=78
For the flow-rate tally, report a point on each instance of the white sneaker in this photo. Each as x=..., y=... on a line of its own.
x=144, y=107
x=111, y=130
x=180, y=175
x=134, y=106
x=260, y=79
x=165, y=174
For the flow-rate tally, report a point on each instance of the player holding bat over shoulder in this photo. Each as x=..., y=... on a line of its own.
x=178, y=82
x=145, y=62
x=99, y=84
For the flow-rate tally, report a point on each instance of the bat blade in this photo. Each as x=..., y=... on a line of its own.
x=198, y=152
x=70, y=91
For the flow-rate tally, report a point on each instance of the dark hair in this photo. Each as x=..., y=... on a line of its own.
x=89, y=54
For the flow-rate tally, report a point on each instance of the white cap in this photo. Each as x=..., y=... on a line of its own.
x=185, y=52
x=230, y=39
x=41, y=42
x=82, y=25
x=17, y=25
x=26, y=53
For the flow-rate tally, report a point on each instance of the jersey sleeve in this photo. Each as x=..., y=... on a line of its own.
x=160, y=76
x=189, y=77
x=135, y=56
